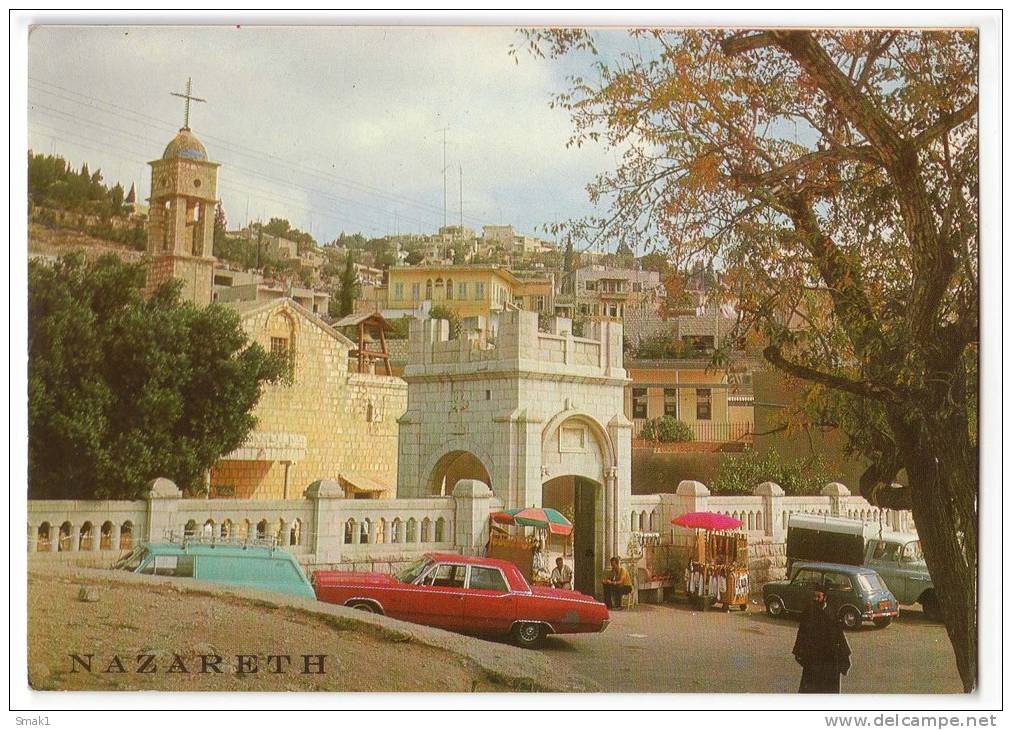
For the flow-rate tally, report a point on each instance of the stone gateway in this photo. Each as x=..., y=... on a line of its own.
x=538, y=416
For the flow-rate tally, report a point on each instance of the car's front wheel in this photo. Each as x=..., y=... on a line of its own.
x=528, y=635
x=775, y=607
x=850, y=617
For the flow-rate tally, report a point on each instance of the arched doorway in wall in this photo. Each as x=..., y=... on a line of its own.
x=454, y=466
x=579, y=499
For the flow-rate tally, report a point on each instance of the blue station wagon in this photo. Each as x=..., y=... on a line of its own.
x=248, y=566
x=854, y=594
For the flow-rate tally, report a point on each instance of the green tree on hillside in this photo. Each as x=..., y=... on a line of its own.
x=349, y=287
x=122, y=390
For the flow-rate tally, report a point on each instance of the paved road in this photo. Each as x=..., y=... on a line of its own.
x=672, y=648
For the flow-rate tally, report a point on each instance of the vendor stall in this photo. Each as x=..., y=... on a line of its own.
x=527, y=552
x=718, y=567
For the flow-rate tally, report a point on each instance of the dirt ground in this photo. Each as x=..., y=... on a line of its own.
x=60, y=241
x=662, y=648
x=137, y=617
x=671, y=648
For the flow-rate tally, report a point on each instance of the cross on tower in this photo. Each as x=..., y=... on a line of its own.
x=189, y=98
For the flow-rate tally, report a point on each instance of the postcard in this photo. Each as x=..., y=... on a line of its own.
x=577, y=360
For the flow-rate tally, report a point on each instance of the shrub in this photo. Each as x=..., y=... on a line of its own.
x=443, y=312
x=741, y=473
x=667, y=429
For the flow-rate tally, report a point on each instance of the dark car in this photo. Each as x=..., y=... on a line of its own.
x=854, y=594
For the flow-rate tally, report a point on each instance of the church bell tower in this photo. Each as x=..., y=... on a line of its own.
x=184, y=194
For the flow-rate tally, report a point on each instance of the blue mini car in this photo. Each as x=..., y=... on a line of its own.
x=853, y=593
x=249, y=566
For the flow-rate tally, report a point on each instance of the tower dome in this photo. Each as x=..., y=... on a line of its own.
x=185, y=144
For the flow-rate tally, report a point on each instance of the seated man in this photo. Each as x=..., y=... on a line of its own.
x=616, y=584
x=562, y=576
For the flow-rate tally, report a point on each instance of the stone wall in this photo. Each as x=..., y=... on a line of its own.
x=764, y=514
x=322, y=528
x=331, y=422
x=325, y=529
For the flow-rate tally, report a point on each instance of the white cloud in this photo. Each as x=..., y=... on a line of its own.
x=362, y=106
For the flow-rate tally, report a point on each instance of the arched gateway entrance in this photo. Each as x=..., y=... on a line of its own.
x=454, y=466
x=538, y=416
x=578, y=499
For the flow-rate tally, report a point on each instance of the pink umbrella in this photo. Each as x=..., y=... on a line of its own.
x=706, y=521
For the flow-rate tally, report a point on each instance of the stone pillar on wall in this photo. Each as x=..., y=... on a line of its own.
x=472, y=502
x=836, y=492
x=163, y=509
x=327, y=535
x=691, y=496
x=772, y=495
x=620, y=432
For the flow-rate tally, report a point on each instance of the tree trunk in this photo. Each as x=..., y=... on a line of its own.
x=941, y=462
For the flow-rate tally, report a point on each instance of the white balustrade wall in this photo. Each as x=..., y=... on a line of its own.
x=322, y=528
x=764, y=513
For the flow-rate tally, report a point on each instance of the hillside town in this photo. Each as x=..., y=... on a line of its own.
x=584, y=443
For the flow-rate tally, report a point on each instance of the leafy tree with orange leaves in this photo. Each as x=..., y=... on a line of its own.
x=832, y=177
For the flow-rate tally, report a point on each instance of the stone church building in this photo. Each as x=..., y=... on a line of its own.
x=324, y=422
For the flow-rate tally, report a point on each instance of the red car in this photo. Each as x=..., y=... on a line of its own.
x=470, y=595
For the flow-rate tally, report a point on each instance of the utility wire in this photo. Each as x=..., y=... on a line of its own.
x=90, y=101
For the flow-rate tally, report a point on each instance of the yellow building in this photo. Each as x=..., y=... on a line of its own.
x=468, y=291
x=716, y=406
x=326, y=421
x=536, y=294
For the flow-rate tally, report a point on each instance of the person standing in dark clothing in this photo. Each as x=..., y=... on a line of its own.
x=821, y=648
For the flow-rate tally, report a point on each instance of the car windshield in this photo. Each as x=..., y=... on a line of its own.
x=870, y=582
x=912, y=552
x=412, y=571
x=132, y=560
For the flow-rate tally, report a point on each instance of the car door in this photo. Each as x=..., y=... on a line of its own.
x=801, y=587
x=884, y=559
x=912, y=575
x=440, y=597
x=489, y=606
x=840, y=592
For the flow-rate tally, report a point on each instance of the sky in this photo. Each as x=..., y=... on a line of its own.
x=335, y=129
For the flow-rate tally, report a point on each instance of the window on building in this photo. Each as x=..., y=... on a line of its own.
x=590, y=285
x=639, y=402
x=415, y=292
x=399, y=290
x=637, y=287
x=479, y=290
x=462, y=290
x=449, y=288
x=428, y=288
x=703, y=397
x=279, y=345
x=671, y=402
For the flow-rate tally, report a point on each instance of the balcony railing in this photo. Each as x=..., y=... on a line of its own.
x=707, y=431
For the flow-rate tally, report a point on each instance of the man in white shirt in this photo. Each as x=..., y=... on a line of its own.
x=562, y=576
